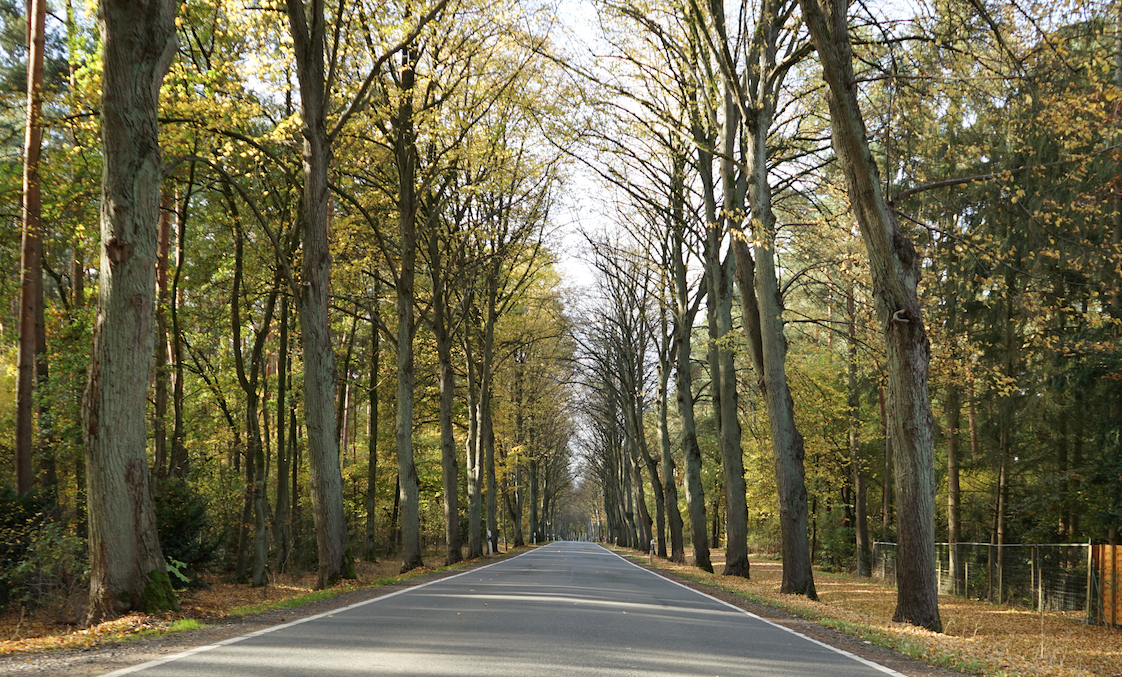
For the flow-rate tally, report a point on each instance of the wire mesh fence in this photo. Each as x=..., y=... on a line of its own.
x=1039, y=576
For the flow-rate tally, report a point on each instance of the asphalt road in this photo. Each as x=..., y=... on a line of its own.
x=561, y=609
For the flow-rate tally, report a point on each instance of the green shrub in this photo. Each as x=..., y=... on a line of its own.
x=42, y=563
x=185, y=534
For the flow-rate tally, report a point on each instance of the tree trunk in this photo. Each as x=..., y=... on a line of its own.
x=343, y=393
x=486, y=429
x=953, y=414
x=406, y=160
x=126, y=564
x=31, y=263
x=894, y=265
x=178, y=463
x=255, y=454
x=886, y=484
x=308, y=29
x=281, y=525
x=861, y=522
x=535, y=535
x=160, y=408
x=677, y=550
x=372, y=429
x=449, y=462
x=695, y=493
x=723, y=365
x=474, y=460
x=787, y=441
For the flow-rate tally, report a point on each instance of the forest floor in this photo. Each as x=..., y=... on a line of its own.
x=55, y=627
x=979, y=638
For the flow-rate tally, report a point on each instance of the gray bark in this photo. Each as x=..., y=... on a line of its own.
x=894, y=265
x=281, y=531
x=409, y=495
x=307, y=28
x=677, y=552
x=372, y=429
x=474, y=460
x=126, y=564
x=861, y=526
x=695, y=493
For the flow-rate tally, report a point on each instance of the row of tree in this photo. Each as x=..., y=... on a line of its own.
x=358, y=180
x=755, y=149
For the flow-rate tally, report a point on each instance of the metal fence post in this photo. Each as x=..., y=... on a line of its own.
x=1090, y=579
x=1034, y=580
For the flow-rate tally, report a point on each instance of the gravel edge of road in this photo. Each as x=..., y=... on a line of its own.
x=100, y=660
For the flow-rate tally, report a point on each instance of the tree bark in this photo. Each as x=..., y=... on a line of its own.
x=953, y=408
x=861, y=522
x=449, y=462
x=372, y=430
x=255, y=452
x=695, y=492
x=894, y=265
x=677, y=551
x=406, y=160
x=126, y=564
x=31, y=258
x=281, y=526
x=308, y=30
x=179, y=462
x=474, y=460
x=771, y=359
x=486, y=428
x=160, y=395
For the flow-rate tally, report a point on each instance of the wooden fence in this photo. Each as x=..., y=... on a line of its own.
x=1106, y=565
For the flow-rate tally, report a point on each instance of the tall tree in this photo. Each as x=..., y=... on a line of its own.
x=894, y=266
x=31, y=263
x=308, y=29
x=126, y=564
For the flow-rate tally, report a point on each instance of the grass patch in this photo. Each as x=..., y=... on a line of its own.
x=184, y=624
x=299, y=600
x=978, y=639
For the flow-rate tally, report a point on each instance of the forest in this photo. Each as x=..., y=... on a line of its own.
x=290, y=285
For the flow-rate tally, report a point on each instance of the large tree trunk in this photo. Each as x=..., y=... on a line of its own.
x=695, y=493
x=126, y=563
x=787, y=441
x=31, y=259
x=449, y=462
x=721, y=276
x=409, y=493
x=751, y=97
x=894, y=265
x=308, y=29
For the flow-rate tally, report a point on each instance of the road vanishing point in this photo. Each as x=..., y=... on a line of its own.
x=566, y=608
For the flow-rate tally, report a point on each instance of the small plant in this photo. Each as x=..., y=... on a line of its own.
x=185, y=538
x=185, y=624
x=175, y=569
